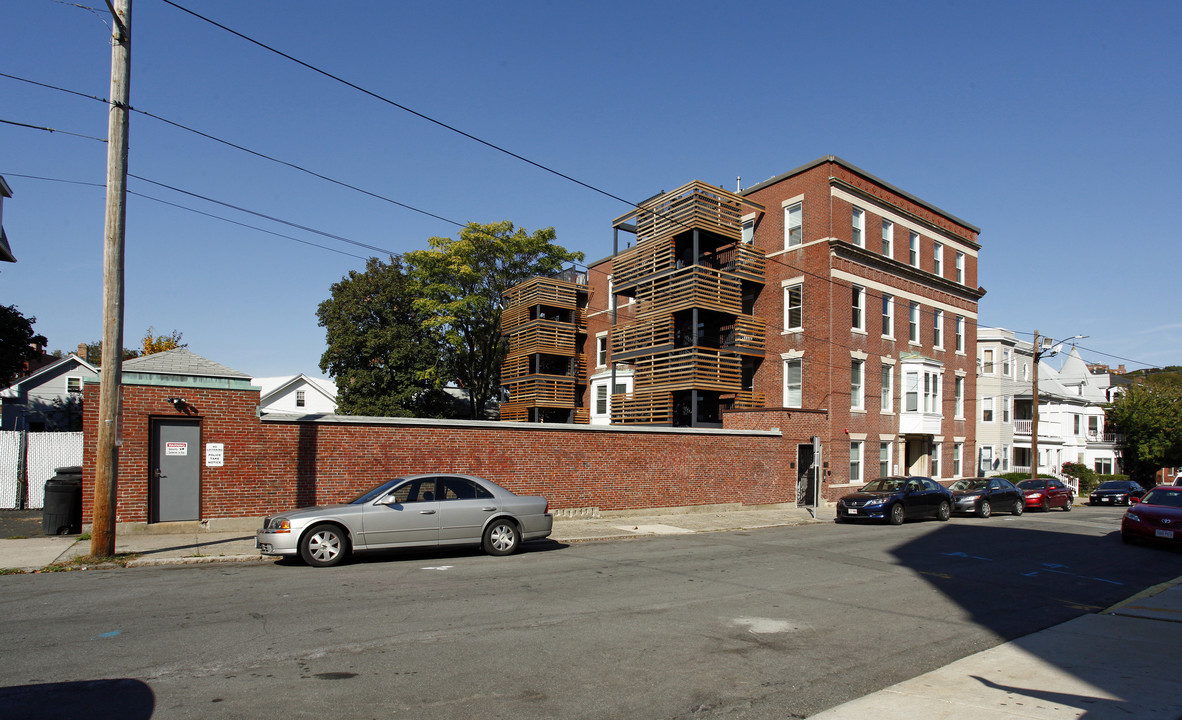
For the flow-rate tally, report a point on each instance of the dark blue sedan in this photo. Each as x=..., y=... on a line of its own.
x=895, y=499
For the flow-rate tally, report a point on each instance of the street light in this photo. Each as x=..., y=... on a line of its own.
x=1039, y=352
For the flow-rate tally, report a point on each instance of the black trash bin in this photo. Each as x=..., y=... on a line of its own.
x=63, y=502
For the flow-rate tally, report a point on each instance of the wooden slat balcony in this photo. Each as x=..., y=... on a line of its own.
x=747, y=336
x=582, y=416
x=689, y=369
x=544, y=291
x=746, y=400
x=693, y=205
x=692, y=287
x=580, y=319
x=550, y=337
x=554, y=391
x=649, y=258
x=642, y=408
x=514, y=317
x=512, y=412
x=653, y=332
x=744, y=260
x=514, y=367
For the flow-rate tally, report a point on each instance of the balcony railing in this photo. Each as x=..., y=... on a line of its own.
x=642, y=408
x=692, y=287
x=550, y=337
x=747, y=335
x=550, y=291
x=556, y=391
x=693, y=205
x=689, y=369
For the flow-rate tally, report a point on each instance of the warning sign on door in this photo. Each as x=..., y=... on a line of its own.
x=176, y=448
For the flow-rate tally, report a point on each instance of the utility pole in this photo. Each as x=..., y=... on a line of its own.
x=1034, y=419
x=106, y=474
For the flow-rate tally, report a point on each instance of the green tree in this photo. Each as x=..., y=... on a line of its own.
x=381, y=351
x=1150, y=418
x=94, y=353
x=463, y=281
x=18, y=343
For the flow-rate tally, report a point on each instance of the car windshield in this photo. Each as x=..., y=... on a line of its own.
x=370, y=495
x=1114, y=485
x=890, y=484
x=969, y=484
x=1169, y=497
x=1032, y=484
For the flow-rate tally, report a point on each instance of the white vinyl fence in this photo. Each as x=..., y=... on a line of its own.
x=46, y=451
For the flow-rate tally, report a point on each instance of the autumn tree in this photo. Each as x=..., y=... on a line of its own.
x=381, y=351
x=462, y=285
x=18, y=343
x=1150, y=418
x=152, y=343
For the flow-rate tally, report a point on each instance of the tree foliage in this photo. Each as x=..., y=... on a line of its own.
x=381, y=351
x=462, y=283
x=18, y=343
x=152, y=343
x=1150, y=418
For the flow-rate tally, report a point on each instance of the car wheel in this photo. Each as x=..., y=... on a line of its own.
x=897, y=514
x=501, y=537
x=324, y=545
x=1019, y=506
x=1067, y=507
x=944, y=511
x=1046, y=505
x=984, y=509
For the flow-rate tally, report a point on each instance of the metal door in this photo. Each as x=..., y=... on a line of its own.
x=175, y=486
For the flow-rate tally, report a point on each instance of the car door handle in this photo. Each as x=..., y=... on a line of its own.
x=426, y=512
x=488, y=509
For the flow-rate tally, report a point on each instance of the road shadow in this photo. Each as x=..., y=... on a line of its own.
x=116, y=699
x=396, y=555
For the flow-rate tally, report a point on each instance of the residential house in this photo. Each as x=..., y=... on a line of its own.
x=48, y=398
x=823, y=289
x=296, y=394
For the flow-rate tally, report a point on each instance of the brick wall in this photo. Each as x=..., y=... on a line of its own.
x=272, y=465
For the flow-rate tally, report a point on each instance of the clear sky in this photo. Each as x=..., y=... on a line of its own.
x=1052, y=126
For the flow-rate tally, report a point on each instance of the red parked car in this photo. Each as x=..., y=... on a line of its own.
x=1157, y=516
x=1044, y=494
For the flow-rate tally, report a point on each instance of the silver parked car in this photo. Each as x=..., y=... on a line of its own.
x=411, y=511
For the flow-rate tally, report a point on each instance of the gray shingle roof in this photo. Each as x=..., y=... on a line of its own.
x=180, y=361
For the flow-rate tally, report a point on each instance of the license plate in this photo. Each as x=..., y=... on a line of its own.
x=1167, y=534
x=1104, y=500
x=852, y=511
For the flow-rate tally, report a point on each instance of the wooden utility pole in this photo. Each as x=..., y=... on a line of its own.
x=106, y=474
x=1034, y=418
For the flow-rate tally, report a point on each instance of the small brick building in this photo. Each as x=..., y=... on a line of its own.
x=194, y=446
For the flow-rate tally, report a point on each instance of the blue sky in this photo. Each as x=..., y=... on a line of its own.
x=1052, y=126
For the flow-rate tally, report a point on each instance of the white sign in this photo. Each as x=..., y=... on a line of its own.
x=215, y=454
x=176, y=449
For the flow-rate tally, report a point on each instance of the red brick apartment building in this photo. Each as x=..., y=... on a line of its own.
x=824, y=290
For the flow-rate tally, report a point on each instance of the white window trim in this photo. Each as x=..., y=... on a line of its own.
x=860, y=444
x=915, y=324
x=788, y=327
x=784, y=371
x=938, y=259
x=988, y=403
x=960, y=267
x=598, y=337
x=858, y=226
x=887, y=390
x=889, y=315
x=888, y=238
x=914, y=243
x=788, y=205
x=860, y=306
x=858, y=395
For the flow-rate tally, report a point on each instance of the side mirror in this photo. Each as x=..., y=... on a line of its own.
x=1134, y=500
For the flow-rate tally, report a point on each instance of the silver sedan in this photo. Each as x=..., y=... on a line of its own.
x=411, y=511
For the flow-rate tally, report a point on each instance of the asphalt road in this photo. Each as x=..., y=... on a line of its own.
x=774, y=623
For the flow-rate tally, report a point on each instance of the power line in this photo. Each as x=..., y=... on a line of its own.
x=52, y=130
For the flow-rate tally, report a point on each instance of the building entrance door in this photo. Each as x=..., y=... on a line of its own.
x=174, y=489
x=805, y=472
x=918, y=449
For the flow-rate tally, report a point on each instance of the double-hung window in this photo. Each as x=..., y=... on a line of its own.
x=888, y=238
x=1005, y=408
x=987, y=362
x=987, y=409
x=858, y=308
x=301, y=398
x=1005, y=363
x=957, y=452
x=793, y=383
x=855, y=461
x=913, y=249
x=888, y=316
x=884, y=459
x=601, y=350
x=793, y=225
x=937, y=449
x=859, y=222
x=960, y=268
x=938, y=259
x=794, y=307
x=913, y=323
x=938, y=330
x=959, y=334
x=958, y=390
x=888, y=388
x=857, y=384
x=931, y=393
x=911, y=391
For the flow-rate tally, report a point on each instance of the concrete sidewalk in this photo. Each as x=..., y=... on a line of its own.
x=1116, y=664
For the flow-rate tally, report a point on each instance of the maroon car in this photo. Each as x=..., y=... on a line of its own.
x=1044, y=494
x=1156, y=517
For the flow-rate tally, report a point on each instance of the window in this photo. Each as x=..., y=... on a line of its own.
x=793, y=384
x=888, y=316
x=913, y=249
x=1005, y=458
x=601, y=399
x=911, y=391
x=1077, y=426
x=888, y=238
x=74, y=384
x=748, y=231
x=958, y=390
x=986, y=459
x=793, y=226
x=1026, y=371
x=1093, y=426
x=913, y=323
x=987, y=409
x=456, y=488
x=794, y=307
x=1104, y=466
x=957, y=452
x=959, y=334
x=987, y=362
x=888, y=388
x=884, y=459
x=857, y=381
x=300, y=399
x=859, y=227
x=938, y=330
x=858, y=305
x=1005, y=362
x=938, y=259
x=1005, y=408
x=960, y=268
x=937, y=448
x=855, y=461
x=601, y=350
x=931, y=392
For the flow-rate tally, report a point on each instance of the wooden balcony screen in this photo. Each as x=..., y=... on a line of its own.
x=556, y=391
x=549, y=337
x=689, y=369
x=647, y=258
x=693, y=205
x=641, y=334
x=692, y=287
x=746, y=400
x=642, y=408
x=512, y=412
x=747, y=335
x=543, y=291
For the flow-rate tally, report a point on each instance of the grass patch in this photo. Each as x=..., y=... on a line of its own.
x=84, y=536
x=17, y=537
x=11, y=571
x=84, y=562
